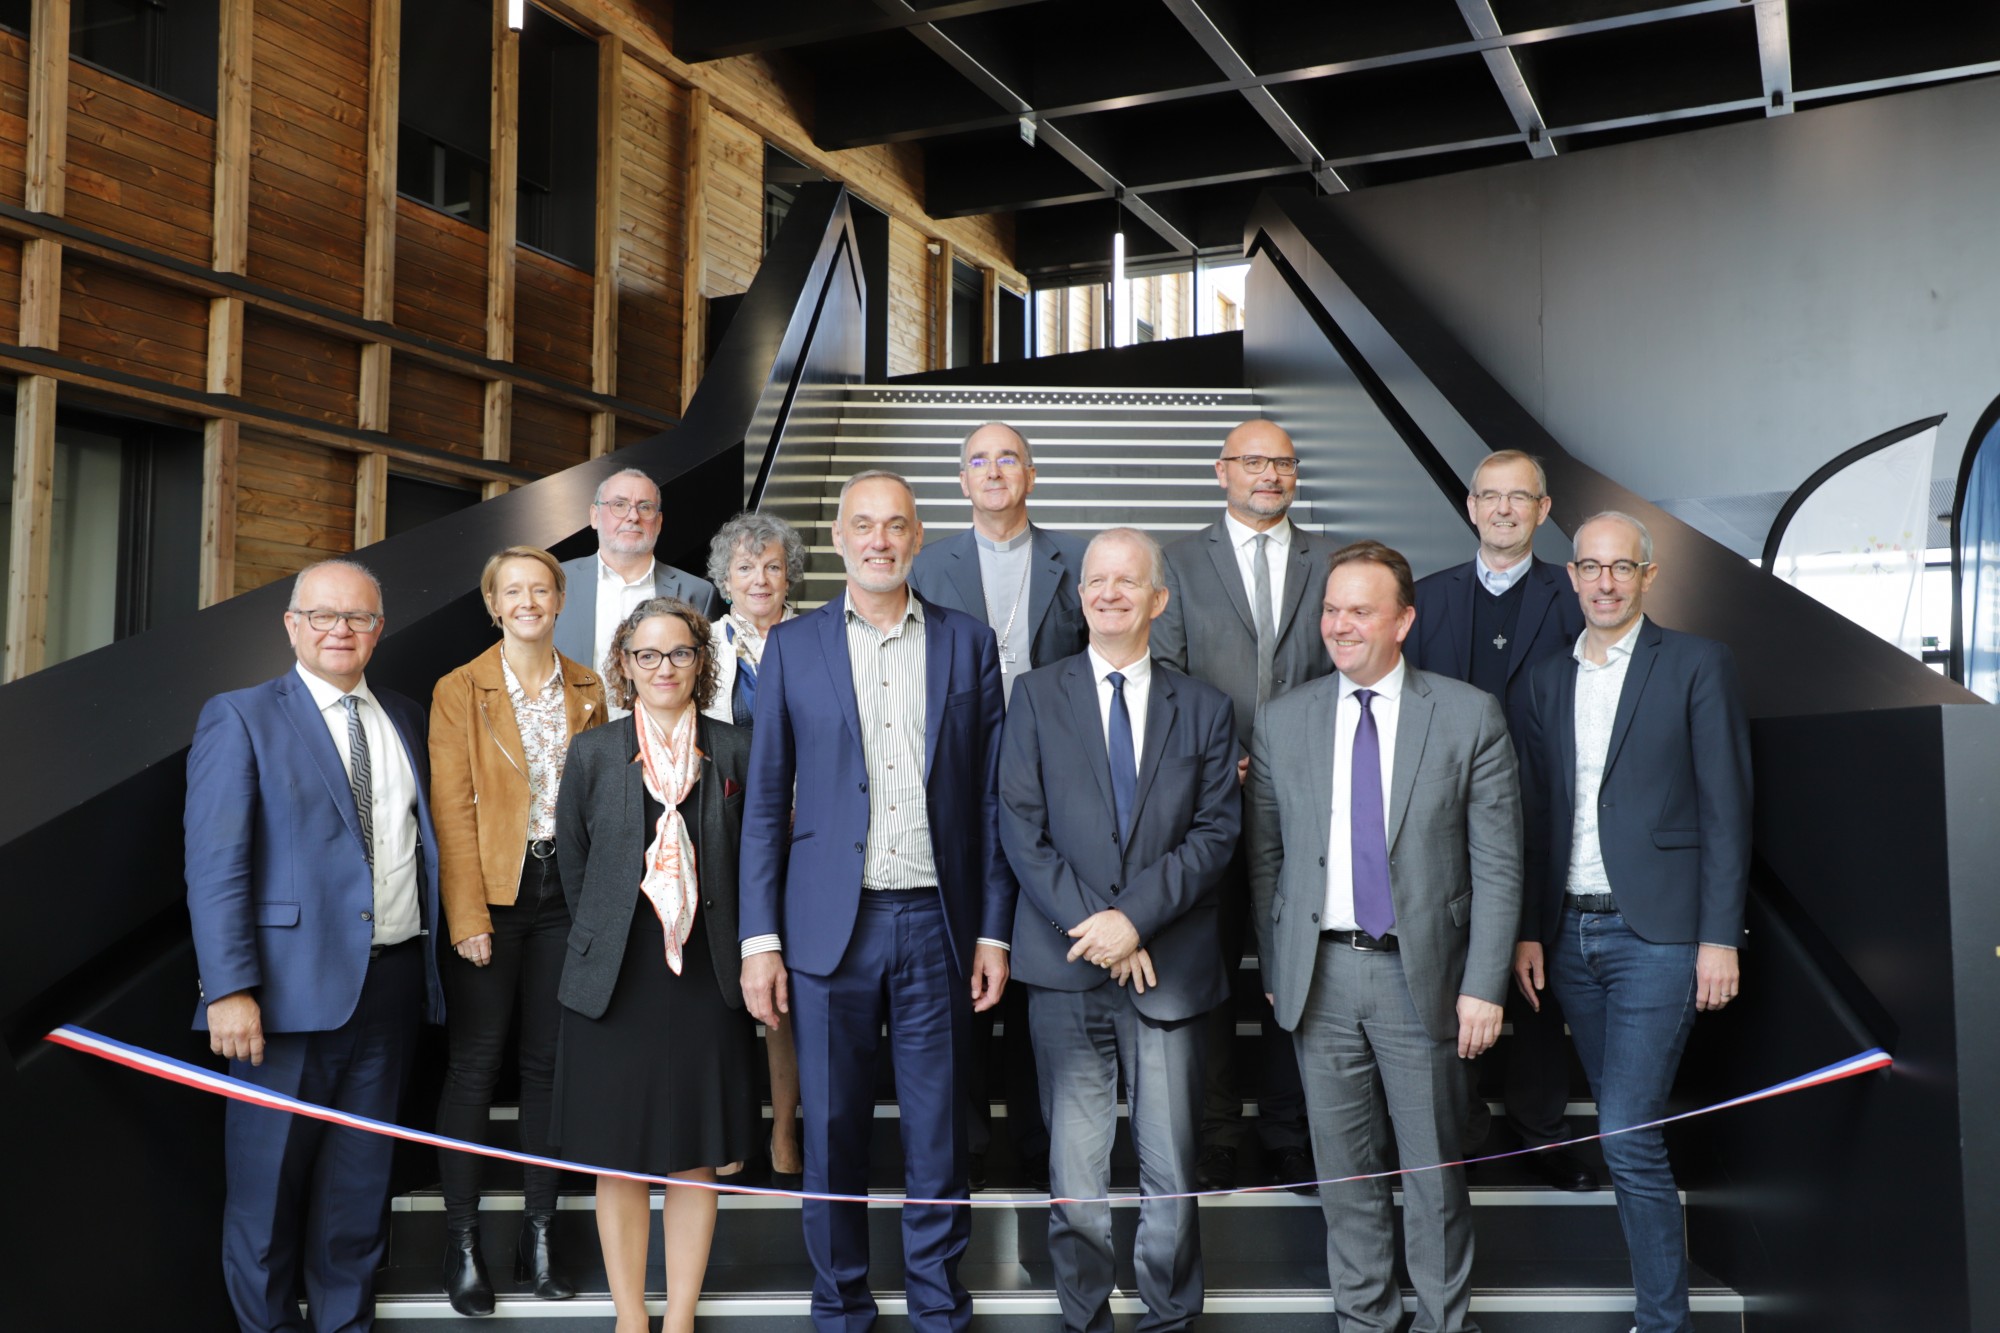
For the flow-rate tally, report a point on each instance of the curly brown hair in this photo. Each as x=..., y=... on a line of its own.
x=618, y=686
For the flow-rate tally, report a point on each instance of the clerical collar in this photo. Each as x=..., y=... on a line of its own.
x=1498, y=581
x=1013, y=543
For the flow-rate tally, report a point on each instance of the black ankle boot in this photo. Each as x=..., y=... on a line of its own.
x=534, y=1259
x=465, y=1282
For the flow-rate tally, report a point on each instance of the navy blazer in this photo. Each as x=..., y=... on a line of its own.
x=1673, y=815
x=1441, y=638
x=1057, y=823
x=946, y=572
x=805, y=818
x=279, y=889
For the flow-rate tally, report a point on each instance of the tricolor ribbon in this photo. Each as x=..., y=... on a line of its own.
x=194, y=1076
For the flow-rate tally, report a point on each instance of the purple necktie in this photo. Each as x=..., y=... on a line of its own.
x=1374, y=909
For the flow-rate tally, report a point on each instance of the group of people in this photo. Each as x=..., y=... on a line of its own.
x=1005, y=775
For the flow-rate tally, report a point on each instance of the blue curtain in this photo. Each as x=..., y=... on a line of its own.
x=1979, y=563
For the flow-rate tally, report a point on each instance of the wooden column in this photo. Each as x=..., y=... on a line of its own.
x=502, y=229
x=694, y=267
x=371, y=499
x=610, y=199
x=941, y=307
x=230, y=253
x=378, y=207
x=989, y=323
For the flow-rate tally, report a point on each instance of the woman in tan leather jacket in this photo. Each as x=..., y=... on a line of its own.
x=500, y=729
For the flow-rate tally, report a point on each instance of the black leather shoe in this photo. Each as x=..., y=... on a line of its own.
x=466, y=1285
x=534, y=1259
x=1296, y=1171
x=1216, y=1169
x=975, y=1171
x=1561, y=1168
x=1035, y=1171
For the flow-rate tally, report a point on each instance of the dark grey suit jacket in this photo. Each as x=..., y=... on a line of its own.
x=1057, y=826
x=601, y=837
x=576, y=624
x=1207, y=630
x=947, y=573
x=1454, y=843
x=1673, y=813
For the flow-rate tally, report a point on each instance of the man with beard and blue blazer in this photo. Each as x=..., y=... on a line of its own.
x=873, y=892
x=312, y=887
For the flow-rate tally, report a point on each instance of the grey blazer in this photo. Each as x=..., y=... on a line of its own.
x=1454, y=843
x=601, y=837
x=576, y=625
x=947, y=573
x=1207, y=631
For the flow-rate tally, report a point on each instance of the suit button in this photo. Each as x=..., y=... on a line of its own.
x=864, y=786
x=709, y=903
x=1322, y=860
x=860, y=846
x=367, y=916
x=1315, y=918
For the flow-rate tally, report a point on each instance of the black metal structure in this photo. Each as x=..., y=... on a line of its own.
x=1872, y=920
x=1981, y=431
x=91, y=795
x=1826, y=472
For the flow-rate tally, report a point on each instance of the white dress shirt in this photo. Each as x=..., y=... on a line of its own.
x=1597, y=689
x=1387, y=706
x=392, y=786
x=1243, y=540
x=616, y=599
x=1138, y=689
x=1498, y=581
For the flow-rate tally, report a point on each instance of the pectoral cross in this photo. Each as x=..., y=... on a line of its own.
x=1007, y=660
x=1500, y=642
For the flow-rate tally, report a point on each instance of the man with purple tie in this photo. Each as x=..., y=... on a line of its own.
x=1383, y=825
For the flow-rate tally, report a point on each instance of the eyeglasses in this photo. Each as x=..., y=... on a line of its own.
x=361, y=622
x=621, y=507
x=1622, y=571
x=1254, y=464
x=1519, y=499
x=1005, y=462
x=649, y=658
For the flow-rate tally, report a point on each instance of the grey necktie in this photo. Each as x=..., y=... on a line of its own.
x=1267, y=629
x=360, y=774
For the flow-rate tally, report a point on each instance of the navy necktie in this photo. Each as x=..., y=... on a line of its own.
x=1374, y=908
x=1124, y=766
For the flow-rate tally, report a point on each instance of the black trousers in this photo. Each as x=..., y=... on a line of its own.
x=529, y=939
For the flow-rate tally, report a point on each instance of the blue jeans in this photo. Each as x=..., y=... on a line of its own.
x=1630, y=1004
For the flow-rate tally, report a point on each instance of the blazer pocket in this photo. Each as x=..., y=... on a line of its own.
x=1460, y=909
x=962, y=697
x=798, y=837
x=1454, y=775
x=277, y=914
x=1668, y=838
x=580, y=940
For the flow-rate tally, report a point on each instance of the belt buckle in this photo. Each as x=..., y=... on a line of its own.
x=537, y=846
x=1354, y=942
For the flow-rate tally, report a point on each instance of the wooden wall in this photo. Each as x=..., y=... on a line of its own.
x=253, y=276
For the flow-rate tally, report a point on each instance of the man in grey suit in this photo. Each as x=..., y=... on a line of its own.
x=604, y=588
x=1382, y=819
x=1241, y=617
x=1119, y=810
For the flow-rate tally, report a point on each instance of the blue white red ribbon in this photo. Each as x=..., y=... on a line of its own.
x=195, y=1076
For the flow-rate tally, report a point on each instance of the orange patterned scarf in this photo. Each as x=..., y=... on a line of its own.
x=671, y=764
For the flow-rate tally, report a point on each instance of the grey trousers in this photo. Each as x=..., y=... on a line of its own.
x=1088, y=1043
x=1359, y=1042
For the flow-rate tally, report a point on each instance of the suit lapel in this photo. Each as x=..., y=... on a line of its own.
x=833, y=644
x=311, y=727
x=1231, y=576
x=1297, y=567
x=1317, y=743
x=1536, y=599
x=937, y=680
x=964, y=571
x=1081, y=687
x=1047, y=573
x=1562, y=725
x=1644, y=653
x=1160, y=713
x=1413, y=729
x=1458, y=622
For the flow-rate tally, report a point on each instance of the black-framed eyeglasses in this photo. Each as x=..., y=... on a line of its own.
x=622, y=506
x=1254, y=464
x=1519, y=499
x=649, y=658
x=1622, y=571
x=361, y=622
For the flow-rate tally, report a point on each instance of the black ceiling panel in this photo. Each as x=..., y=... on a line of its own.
x=1213, y=215
x=1647, y=70
x=1279, y=36
x=712, y=29
x=1398, y=108
x=1839, y=42
x=1436, y=164
x=885, y=87
x=1078, y=51
x=1532, y=15
x=992, y=171
x=1184, y=142
x=1078, y=237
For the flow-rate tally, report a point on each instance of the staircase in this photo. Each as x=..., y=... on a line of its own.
x=1546, y=1261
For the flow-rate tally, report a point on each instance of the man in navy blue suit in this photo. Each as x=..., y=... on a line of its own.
x=1488, y=622
x=873, y=892
x=312, y=886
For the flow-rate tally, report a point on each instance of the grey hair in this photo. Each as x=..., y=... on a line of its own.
x=1645, y=537
x=597, y=497
x=1511, y=456
x=1155, y=556
x=752, y=532
x=965, y=445
x=873, y=474
x=354, y=565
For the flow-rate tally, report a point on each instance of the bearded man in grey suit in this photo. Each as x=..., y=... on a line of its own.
x=1387, y=884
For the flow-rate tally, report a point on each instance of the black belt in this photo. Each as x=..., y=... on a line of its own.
x=1360, y=941
x=541, y=848
x=376, y=951
x=1593, y=902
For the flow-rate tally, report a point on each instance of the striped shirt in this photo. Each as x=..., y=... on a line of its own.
x=889, y=696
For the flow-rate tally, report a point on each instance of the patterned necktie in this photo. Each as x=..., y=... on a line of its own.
x=1124, y=768
x=359, y=774
x=1374, y=908
x=1267, y=628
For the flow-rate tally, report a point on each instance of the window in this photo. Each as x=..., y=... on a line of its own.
x=443, y=141
x=1069, y=319
x=1219, y=296
x=167, y=45
x=968, y=313
x=556, y=209
x=783, y=175
x=412, y=502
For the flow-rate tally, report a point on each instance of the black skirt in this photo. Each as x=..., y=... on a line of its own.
x=665, y=1081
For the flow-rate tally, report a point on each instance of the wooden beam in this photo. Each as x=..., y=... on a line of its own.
x=989, y=305
x=694, y=266
x=941, y=306
x=378, y=263
x=33, y=517
x=610, y=198
x=48, y=106
x=230, y=247
x=497, y=423
x=41, y=293
x=218, y=511
x=503, y=178
x=225, y=346
x=371, y=408
x=371, y=499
